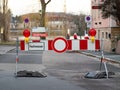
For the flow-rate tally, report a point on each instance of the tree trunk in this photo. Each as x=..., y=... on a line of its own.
x=5, y=23
x=43, y=11
x=42, y=18
x=6, y=27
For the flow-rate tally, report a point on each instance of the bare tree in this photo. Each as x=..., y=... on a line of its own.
x=43, y=11
x=111, y=8
x=5, y=23
x=79, y=20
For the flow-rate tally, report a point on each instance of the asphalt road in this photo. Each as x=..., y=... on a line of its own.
x=64, y=71
x=25, y=57
x=72, y=67
x=31, y=61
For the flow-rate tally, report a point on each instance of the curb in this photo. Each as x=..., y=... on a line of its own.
x=5, y=51
x=106, y=59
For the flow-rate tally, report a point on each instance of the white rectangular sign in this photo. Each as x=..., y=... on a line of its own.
x=36, y=46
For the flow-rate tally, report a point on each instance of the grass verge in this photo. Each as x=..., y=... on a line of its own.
x=8, y=43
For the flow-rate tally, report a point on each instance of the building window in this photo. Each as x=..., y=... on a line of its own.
x=100, y=22
x=57, y=26
x=60, y=26
x=109, y=35
x=96, y=23
x=106, y=35
x=98, y=34
x=102, y=34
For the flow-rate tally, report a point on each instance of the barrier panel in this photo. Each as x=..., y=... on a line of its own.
x=60, y=45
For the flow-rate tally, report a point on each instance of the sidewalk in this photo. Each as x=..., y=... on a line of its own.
x=5, y=48
x=112, y=57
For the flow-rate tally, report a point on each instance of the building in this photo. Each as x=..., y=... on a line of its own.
x=58, y=24
x=107, y=29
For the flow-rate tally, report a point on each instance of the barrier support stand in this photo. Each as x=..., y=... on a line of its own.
x=102, y=59
x=16, y=65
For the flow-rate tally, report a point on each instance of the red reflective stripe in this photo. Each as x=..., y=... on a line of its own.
x=43, y=35
x=83, y=45
x=69, y=44
x=17, y=59
x=36, y=34
x=50, y=44
x=35, y=40
x=97, y=44
x=22, y=45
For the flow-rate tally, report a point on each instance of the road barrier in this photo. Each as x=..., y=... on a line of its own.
x=60, y=45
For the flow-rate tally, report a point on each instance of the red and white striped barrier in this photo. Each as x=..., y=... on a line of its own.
x=60, y=45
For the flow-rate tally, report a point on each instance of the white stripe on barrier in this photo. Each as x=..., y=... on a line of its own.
x=75, y=45
x=26, y=46
x=91, y=46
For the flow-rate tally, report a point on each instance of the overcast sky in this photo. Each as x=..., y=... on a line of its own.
x=72, y=6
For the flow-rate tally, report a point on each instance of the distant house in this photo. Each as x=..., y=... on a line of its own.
x=107, y=29
x=59, y=23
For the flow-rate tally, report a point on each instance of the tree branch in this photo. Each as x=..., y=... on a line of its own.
x=47, y=2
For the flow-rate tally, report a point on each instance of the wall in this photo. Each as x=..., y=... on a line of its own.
x=104, y=33
x=118, y=47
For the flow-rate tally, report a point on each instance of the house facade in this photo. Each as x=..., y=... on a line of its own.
x=107, y=29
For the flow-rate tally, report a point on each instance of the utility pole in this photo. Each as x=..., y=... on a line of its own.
x=65, y=6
